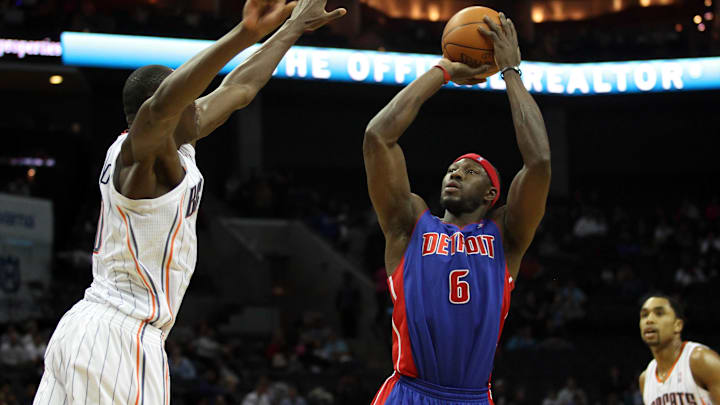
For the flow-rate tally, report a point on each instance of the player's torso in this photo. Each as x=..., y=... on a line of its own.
x=145, y=250
x=455, y=290
x=679, y=386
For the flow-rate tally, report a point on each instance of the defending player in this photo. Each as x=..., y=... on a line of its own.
x=681, y=372
x=109, y=348
x=450, y=278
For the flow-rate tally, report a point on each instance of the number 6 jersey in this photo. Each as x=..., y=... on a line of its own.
x=451, y=295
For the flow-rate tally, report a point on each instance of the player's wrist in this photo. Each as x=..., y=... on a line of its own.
x=447, y=76
x=510, y=71
x=447, y=65
x=244, y=34
x=293, y=25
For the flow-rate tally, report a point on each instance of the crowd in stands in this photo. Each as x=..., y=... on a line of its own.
x=592, y=259
x=310, y=363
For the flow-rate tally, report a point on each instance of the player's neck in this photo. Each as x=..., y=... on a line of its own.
x=667, y=355
x=465, y=219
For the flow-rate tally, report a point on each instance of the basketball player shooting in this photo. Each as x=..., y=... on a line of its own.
x=450, y=278
x=109, y=347
x=681, y=372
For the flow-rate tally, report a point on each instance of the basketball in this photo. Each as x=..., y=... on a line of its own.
x=462, y=42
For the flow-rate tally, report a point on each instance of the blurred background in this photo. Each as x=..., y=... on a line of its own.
x=288, y=303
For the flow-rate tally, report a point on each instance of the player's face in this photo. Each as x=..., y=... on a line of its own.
x=464, y=187
x=658, y=322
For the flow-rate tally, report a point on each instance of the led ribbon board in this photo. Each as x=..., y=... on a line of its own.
x=348, y=65
x=22, y=48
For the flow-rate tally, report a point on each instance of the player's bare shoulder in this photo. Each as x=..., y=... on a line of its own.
x=498, y=216
x=418, y=205
x=397, y=240
x=705, y=366
x=641, y=381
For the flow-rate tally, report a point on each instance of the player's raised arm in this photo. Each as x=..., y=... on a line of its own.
x=158, y=116
x=388, y=184
x=528, y=192
x=239, y=87
x=705, y=367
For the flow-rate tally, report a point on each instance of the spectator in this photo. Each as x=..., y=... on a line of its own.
x=260, y=395
x=662, y=232
x=180, y=366
x=335, y=350
x=710, y=243
x=12, y=352
x=521, y=340
x=35, y=349
x=590, y=223
x=320, y=396
x=293, y=397
x=573, y=298
x=31, y=329
x=551, y=398
x=206, y=345
x=276, y=351
x=571, y=394
x=521, y=397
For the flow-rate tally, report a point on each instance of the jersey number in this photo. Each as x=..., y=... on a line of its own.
x=459, y=289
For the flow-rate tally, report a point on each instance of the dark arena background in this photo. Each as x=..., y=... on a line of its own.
x=289, y=296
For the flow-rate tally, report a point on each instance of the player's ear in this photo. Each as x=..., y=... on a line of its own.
x=678, y=325
x=490, y=195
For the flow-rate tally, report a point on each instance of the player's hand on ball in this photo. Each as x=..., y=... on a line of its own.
x=504, y=37
x=461, y=73
x=312, y=14
x=263, y=16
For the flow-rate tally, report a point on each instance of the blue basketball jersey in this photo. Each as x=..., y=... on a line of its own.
x=451, y=295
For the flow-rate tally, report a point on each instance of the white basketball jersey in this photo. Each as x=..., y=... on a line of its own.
x=145, y=250
x=679, y=386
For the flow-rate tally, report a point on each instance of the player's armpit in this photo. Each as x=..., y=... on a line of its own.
x=705, y=367
x=149, y=132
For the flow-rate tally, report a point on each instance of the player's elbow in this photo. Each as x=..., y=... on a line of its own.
x=159, y=109
x=372, y=141
x=540, y=165
x=241, y=95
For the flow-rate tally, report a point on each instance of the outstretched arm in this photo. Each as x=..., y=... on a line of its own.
x=157, y=118
x=388, y=184
x=241, y=86
x=528, y=191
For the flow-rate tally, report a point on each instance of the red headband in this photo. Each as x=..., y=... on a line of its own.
x=489, y=169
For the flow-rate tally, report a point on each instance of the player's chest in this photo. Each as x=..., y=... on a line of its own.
x=442, y=246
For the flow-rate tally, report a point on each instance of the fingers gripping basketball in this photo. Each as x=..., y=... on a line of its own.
x=461, y=41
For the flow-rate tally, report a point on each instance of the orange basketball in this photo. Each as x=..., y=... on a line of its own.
x=462, y=42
